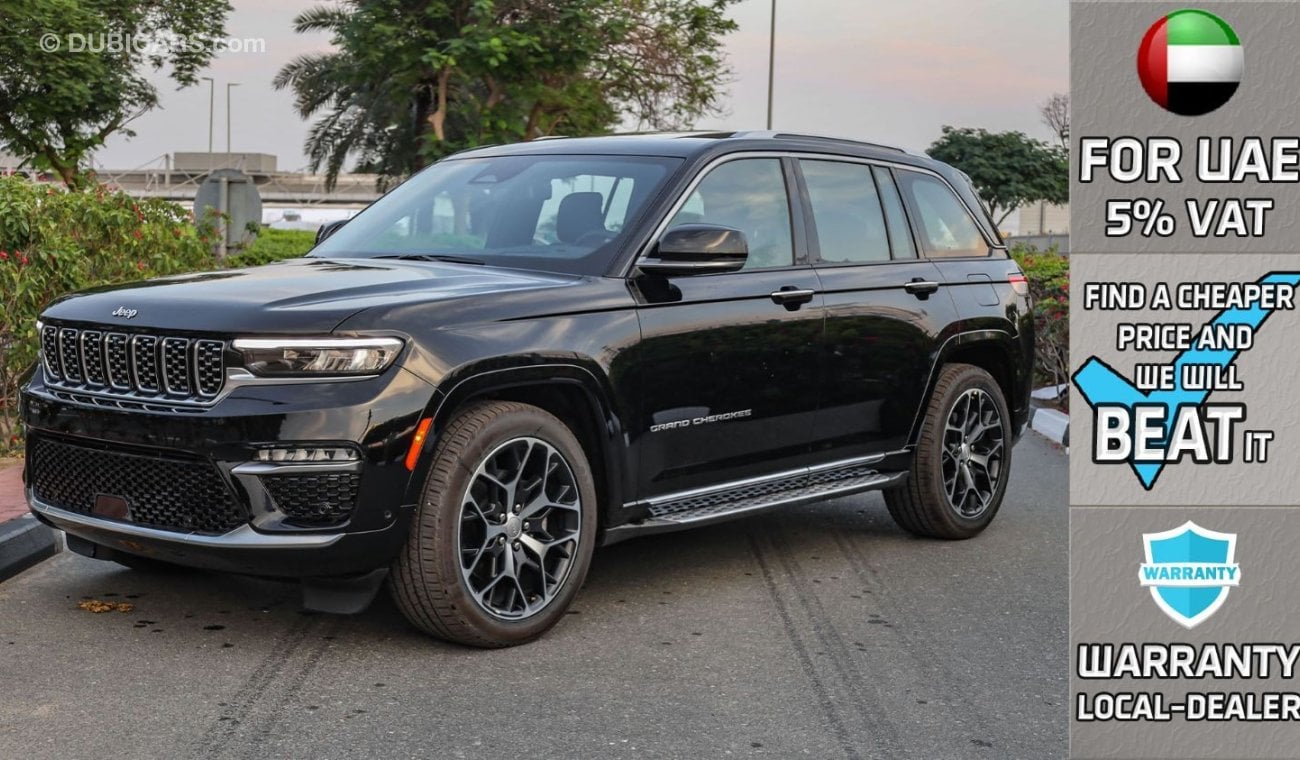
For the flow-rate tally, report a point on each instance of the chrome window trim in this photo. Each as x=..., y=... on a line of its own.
x=803, y=155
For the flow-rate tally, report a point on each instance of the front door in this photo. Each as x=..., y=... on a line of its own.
x=729, y=363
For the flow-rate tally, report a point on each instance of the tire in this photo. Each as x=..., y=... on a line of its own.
x=443, y=579
x=958, y=478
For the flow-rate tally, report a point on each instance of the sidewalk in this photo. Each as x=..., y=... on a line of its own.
x=12, y=502
x=23, y=540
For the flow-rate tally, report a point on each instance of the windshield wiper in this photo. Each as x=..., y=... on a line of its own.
x=448, y=258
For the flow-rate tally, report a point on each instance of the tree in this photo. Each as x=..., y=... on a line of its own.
x=1056, y=115
x=72, y=72
x=414, y=80
x=1008, y=169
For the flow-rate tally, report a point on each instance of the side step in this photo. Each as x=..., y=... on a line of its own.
x=709, y=506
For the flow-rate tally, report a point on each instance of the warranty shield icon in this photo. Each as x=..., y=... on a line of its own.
x=1190, y=570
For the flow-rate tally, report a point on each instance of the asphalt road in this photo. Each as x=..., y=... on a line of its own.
x=818, y=632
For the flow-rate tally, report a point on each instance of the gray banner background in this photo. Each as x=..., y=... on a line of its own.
x=1110, y=509
x=1270, y=373
x=1108, y=605
x=1108, y=101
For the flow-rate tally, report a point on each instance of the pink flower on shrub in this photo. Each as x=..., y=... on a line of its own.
x=138, y=234
x=139, y=265
x=23, y=260
x=4, y=256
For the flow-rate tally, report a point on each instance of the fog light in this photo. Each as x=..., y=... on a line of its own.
x=298, y=454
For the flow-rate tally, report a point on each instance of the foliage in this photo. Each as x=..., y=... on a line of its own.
x=56, y=107
x=55, y=241
x=273, y=245
x=1008, y=169
x=413, y=80
x=1049, y=292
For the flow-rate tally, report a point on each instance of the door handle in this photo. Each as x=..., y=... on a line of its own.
x=921, y=288
x=792, y=298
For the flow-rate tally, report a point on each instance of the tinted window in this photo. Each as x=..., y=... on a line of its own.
x=846, y=210
x=560, y=213
x=749, y=195
x=900, y=236
x=947, y=229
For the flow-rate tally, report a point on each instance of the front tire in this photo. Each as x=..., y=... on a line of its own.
x=504, y=533
x=962, y=461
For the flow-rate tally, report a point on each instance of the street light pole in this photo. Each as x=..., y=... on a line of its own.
x=771, y=65
x=228, y=86
x=212, y=105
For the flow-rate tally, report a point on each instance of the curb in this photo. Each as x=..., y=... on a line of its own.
x=24, y=541
x=1053, y=425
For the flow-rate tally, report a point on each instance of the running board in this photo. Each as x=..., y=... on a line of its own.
x=703, y=508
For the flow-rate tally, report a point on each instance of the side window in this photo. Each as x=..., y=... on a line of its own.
x=947, y=229
x=900, y=235
x=749, y=195
x=846, y=210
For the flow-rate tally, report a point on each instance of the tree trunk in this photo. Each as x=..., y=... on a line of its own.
x=438, y=119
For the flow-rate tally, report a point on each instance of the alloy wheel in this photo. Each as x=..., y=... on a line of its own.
x=520, y=524
x=974, y=448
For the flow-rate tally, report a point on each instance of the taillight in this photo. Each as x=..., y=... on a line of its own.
x=1019, y=283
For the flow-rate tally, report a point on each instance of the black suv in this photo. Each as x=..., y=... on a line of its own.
x=525, y=351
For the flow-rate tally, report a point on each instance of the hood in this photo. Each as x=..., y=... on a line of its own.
x=297, y=296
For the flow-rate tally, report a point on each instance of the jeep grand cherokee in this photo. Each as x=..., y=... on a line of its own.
x=523, y=352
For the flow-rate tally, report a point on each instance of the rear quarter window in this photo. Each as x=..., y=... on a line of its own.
x=946, y=227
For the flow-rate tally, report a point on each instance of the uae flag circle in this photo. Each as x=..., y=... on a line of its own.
x=1190, y=62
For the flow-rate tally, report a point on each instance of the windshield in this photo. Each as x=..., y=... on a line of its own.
x=553, y=213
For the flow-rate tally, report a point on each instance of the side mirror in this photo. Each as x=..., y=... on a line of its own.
x=697, y=249
x=328, y=228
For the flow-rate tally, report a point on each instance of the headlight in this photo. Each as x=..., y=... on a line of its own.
x=273, y=357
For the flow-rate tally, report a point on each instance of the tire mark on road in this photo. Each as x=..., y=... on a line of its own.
x=871, y=703
x=275, y=715
x=927, y=657
x=215, y=741
x=819, y=687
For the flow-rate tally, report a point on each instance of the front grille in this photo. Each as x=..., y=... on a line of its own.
x=161, y=491
x=323, y=499
x=134, y=365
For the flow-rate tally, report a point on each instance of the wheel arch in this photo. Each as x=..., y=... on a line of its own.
x=993, y=351
x=573, y=393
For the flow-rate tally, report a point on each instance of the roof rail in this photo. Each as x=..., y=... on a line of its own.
x=761, y=134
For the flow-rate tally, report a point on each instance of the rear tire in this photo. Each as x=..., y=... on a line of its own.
x=503, y=536
x=963, y=458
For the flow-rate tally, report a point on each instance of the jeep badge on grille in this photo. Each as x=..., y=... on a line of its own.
x=122, y=311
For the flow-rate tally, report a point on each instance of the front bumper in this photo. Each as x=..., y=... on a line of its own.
x=242, y=550
x=377, y=418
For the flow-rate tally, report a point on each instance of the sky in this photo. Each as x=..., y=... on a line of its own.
x=887, y=71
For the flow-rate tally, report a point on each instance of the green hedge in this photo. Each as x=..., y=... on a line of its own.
x=1049, y=289
x=54, y=241
x=274, y=245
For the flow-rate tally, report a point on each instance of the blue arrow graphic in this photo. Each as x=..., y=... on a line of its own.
x=1100, y=384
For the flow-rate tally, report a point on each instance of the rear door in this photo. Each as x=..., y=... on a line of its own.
x=728, y=363
x=975, y=273
x=885, y=309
